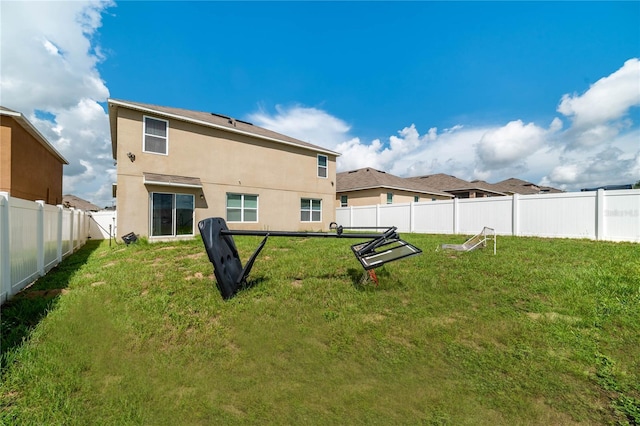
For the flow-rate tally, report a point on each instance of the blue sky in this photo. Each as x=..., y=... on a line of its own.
x=544, y=91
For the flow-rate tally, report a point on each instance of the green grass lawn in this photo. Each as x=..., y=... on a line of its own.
x=545, y=332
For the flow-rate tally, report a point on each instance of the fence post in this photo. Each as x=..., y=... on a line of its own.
x=600, y=224
x=5, y=250
x=456, y=212
x=71, y=225
x=59, y=236
x=412, y=214
x=515, y=215
x=40, y=237
x=351, y=216
x=377, y=214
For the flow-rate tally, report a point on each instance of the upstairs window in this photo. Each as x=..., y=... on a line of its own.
x=389, y=197
x=323, y=166
x=344, y=201
x=156, y=134
x=416, y=198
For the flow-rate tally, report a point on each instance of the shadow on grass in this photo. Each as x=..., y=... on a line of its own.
x=25, y=310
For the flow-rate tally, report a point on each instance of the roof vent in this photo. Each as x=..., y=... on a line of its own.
x=221, y=115
x=231, y=120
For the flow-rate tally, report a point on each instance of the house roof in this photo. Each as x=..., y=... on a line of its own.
x=207, y=119
x=369, y=178
x=451, y=184
x=26, y=125
x=69, y=200
x=519, y=186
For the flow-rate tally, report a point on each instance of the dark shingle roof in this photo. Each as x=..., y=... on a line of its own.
x=69, y=200
x=209, y=119
x=450, y=183
x=367, y=178
x=519, y=186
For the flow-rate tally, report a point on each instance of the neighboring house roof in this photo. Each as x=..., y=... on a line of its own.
x=452, y=184
x=78, y=203
x=26, y=125
x=369, y=178
x=609, y=187
x=207, y=119
x=519, y=186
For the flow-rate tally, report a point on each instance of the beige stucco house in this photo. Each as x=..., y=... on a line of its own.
x=30, y=167
x=176, y=167
x=368, y=186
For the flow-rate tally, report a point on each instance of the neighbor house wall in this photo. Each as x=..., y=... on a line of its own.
x=224, y=162
x=367, y=197
x=28, y=170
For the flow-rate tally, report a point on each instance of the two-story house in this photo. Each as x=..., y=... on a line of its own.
x=176, y=167
x=30, y=167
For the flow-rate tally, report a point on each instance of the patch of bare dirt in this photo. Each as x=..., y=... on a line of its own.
x=46, y=294
x=197, y=275
x=552, y=316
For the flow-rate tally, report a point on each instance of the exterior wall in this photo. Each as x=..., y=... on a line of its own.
x=5, y=155
x=280, y=175
x=368, y=197
x=29, y=171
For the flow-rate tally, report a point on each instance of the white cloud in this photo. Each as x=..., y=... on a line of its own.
x=504, y=146
x=307, y=124
x=599, y=125
x=608, y=99
x=49, y=73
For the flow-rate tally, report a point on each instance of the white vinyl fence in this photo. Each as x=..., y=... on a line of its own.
x=598, y=215
x=35, y=237
x=102, y=224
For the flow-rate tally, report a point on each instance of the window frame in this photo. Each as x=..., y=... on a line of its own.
x=174, y=214
x=144, y=135
x=344, y=201
x=389, y=197
x=325, y=166
x=242, y=208
x=310, y=210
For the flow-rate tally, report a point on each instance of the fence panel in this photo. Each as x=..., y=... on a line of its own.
x=343, y=216
x=600, y=215
x=398, y=215
x=434, y=217
x=50, y=235
x=23, y=242
x=567, y=215
x=621, y=215
x=100, y=223
x=364, y=216
x=66, y=243
x=476, y=213
x=32, y=236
